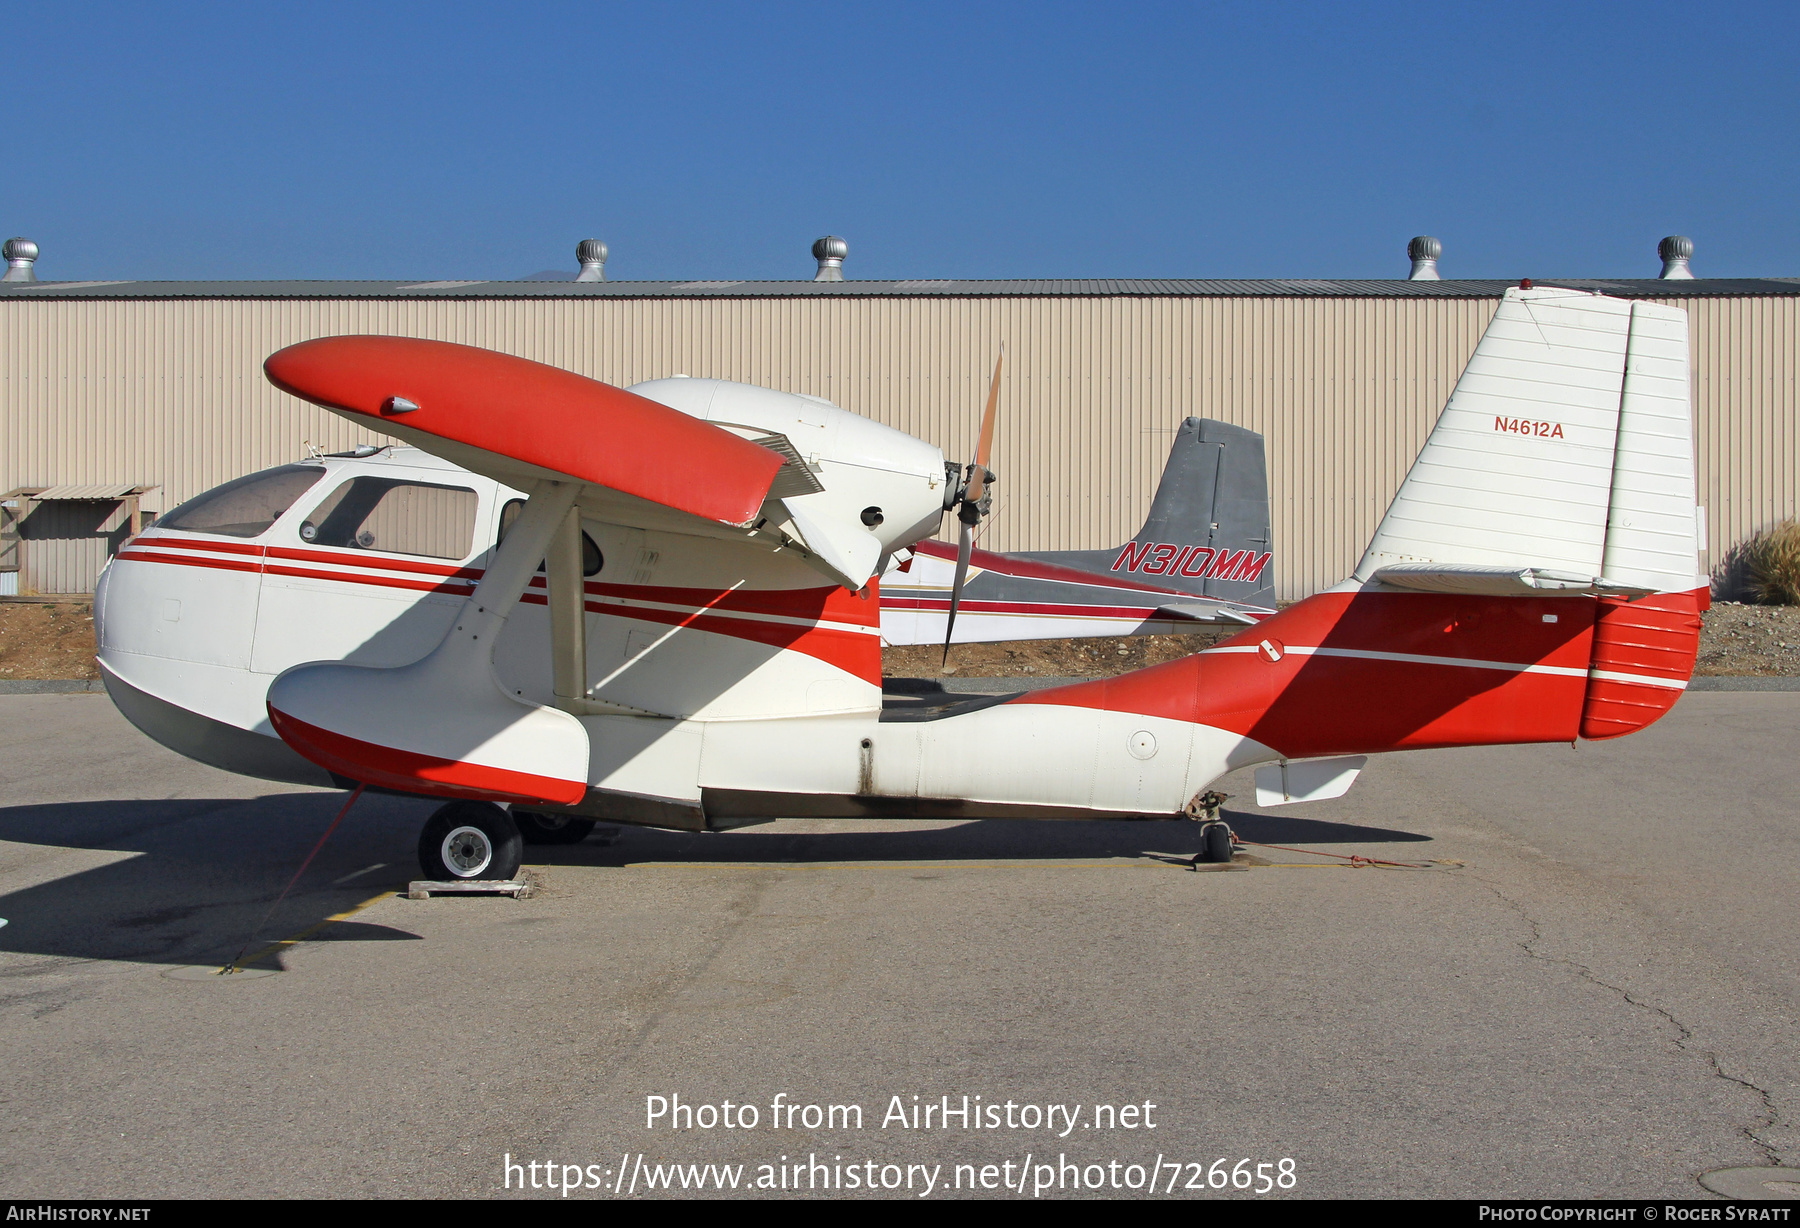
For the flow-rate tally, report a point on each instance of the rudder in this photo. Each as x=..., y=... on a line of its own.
x=1645, y=650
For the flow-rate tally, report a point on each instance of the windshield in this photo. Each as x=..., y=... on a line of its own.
x=246, y=507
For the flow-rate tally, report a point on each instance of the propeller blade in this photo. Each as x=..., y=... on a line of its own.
x=969, y=509
x=965, y=545
x=984, y=445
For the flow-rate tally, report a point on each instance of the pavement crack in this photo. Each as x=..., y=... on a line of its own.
x=736, y=913
x=1684, y=1035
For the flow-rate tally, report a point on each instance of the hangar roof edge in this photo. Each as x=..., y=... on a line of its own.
x=1047, y=288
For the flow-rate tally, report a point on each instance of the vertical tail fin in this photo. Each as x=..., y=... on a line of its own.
x=1518, y=470
x=1214, y=493
x=1207, y=531
x=1564, y=463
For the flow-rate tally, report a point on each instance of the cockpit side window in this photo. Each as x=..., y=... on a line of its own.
x=246, y=507
x=591, y=558
x=395, y=516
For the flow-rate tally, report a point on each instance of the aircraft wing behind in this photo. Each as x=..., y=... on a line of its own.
x=1202, y=558
x=1021, y=597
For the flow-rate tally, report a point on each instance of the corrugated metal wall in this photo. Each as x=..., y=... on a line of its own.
x=1747, y=427
x=1344, y=390
x=64, y=545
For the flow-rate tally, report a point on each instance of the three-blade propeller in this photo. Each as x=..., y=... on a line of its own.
x=975, y=499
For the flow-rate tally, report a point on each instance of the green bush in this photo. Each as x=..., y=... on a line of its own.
x=1772, y=564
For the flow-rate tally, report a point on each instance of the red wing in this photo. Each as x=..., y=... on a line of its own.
x=541, y=416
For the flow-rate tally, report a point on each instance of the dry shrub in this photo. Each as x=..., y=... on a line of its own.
x=1772, y=564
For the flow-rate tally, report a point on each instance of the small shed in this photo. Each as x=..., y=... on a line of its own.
x=55, y=539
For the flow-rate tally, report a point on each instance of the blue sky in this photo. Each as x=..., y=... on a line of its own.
x=942, y=140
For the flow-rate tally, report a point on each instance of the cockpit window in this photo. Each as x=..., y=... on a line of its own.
x=246, y=507
x=395, y=516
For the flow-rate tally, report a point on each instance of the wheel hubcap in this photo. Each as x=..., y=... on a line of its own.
x=467, y=852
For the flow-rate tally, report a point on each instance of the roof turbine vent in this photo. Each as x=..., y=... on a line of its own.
x=592, y=255
x=20, y=255
x=830, y=252
x=1424, y=251
x=1675, y=252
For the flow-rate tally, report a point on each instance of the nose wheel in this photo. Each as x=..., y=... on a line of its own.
x=1215, y=833
x=470, y=840
x=1215, y=843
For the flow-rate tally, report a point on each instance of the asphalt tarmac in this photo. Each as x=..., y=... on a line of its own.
x=1588, y=988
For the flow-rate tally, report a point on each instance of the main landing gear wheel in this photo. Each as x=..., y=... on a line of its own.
x=537, y=827
x=469, y=840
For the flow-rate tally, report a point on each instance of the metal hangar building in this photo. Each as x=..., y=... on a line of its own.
x=120, y=399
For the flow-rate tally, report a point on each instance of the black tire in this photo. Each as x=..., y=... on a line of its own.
x=470, y=840
x=1215, y=843
x=535, y=827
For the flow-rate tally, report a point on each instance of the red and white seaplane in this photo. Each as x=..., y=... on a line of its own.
x=681, y=625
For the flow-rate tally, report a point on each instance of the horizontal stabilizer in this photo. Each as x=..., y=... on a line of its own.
x=1503, y=581
x=1309, y=780
x=1196, y=612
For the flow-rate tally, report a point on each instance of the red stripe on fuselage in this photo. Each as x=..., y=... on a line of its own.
x=1305, y=705
x=157, y=539
x=712, y=610
x=708, y=609
x=931, y=605
x=822, y=604
x=172, y=540
x=238, y=562
x=350, y=558
x=421, y=586
x=830, y=603
x=134, y=555
x=1031, y=569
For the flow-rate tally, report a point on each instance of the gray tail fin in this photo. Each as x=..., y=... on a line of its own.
x=1212, y=508
x=1208, y=528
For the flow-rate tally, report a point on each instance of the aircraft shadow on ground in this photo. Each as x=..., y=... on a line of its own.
x=978, y=840
x=192, y=879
